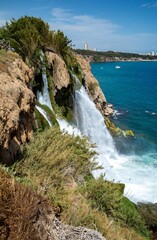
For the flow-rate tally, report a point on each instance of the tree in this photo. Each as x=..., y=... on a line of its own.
x=60, y=43
x=26, y=35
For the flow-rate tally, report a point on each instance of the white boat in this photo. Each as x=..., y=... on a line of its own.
x=117, y=67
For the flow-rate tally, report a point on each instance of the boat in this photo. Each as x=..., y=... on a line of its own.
x=117, y=67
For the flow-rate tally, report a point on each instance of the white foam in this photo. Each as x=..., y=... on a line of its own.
x=65, y=126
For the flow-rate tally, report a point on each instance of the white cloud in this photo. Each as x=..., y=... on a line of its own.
x=150, y=5
x=81, y=28
x=64, y=19
x=99, y=33
x=60, y=14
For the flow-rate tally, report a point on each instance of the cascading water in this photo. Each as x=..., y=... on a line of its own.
x=120, y=168
x=44, y=115
x=90, y=122
x=43, y=97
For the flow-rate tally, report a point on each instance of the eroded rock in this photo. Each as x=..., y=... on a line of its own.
x=58, y=70
x=16, y=108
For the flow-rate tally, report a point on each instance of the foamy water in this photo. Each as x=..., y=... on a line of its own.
x=139, y=178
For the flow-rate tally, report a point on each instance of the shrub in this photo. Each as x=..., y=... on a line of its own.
x=108, y=197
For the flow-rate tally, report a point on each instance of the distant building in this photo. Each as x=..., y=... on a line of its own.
x=86, y=46
x=152, y=53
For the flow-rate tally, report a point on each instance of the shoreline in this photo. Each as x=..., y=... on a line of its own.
x=132, y=60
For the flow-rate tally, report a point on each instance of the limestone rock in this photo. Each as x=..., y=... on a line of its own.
x=93, y=88
x=16, y=108
x=58, y=70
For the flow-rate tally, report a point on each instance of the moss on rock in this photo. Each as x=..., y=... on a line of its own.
x=116, y=131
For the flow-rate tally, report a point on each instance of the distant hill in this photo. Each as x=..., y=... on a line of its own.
x=97, y=56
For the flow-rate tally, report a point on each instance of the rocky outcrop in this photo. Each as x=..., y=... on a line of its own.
x=49, y=227
x=58, y=70
x=93, y=88
x=16, y=107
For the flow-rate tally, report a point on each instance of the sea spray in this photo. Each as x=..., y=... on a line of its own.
x=120, y=168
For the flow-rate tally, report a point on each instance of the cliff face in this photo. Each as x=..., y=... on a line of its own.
x=58, y=70
x=61, y=80
x=18, y=101
x=93, y=88
x=16, y=106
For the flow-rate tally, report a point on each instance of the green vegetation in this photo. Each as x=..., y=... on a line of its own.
x=59, y=167
x=116, y=131
x=99, y=56
x=108, y=197
x=53, y=156
x=28, y=35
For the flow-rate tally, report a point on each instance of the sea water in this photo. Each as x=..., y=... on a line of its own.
x=132, y=89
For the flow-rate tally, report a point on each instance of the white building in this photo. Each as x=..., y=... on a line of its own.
x=86, y=46
x=152, y=53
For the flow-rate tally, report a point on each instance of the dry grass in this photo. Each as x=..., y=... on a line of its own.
x=6, y=58
x=18, y=208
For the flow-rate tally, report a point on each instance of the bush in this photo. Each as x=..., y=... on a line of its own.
x=108, y=197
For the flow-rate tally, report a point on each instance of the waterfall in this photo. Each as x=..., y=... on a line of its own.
x=139, y=179
x=44, y=114
x=90, y=122
x=43, y=97
x=65, y=126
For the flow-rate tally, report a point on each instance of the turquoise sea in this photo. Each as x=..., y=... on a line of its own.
x=132, y=89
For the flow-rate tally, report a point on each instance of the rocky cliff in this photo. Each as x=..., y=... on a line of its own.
x=58, y=70
x=16, y=105
x=93, y=88
x=18, y=101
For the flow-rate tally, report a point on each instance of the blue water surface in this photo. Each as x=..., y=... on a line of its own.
x=132, y=89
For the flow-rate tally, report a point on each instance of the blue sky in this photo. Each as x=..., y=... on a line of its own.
x=119, y=25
